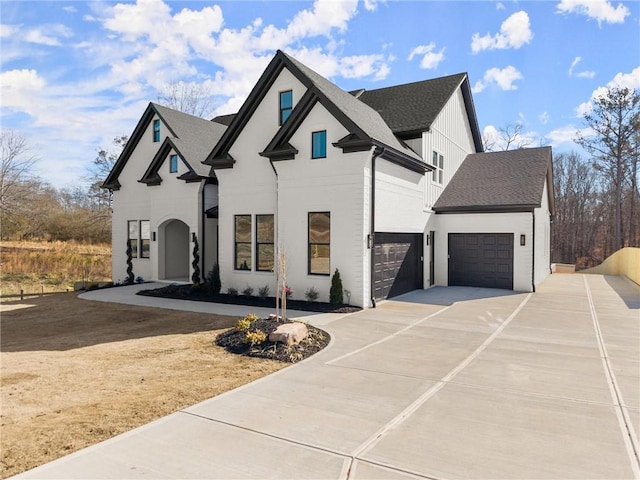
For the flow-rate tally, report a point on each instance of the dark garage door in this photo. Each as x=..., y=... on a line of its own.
x=481, y=260
x=397, y=264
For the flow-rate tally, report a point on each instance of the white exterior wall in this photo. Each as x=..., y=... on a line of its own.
x=249, y=188
x=542, y=239
x=449, y=135
x=172, y=199
x=515, y=223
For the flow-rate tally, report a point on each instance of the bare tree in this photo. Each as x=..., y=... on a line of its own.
x=510, y=137
x=16, y=178
x=614, y=121
x=192, y=98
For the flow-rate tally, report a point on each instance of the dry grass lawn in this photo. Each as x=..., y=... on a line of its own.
x=75, y=372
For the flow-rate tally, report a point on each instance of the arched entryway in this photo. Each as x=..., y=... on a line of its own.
x=174, y=251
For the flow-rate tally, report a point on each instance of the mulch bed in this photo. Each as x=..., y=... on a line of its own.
x=234, y=341
x=200, y=294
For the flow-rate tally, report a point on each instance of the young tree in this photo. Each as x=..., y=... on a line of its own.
x=510, y=137
x=613, y=125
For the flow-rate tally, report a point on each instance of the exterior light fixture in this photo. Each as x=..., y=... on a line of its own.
x=522, y=240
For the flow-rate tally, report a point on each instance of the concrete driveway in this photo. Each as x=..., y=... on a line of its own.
x=444, y=383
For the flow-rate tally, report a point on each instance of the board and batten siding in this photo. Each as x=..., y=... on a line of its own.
x=449, y=135
x=542, y=266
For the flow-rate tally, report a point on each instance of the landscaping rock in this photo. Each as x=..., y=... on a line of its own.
x=289, y=333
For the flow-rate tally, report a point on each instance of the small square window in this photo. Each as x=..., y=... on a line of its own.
x=319, y=144
x=156, y=130
x=173, y=164
x=286, y=105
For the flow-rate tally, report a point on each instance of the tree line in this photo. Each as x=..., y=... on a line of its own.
x=33, y=209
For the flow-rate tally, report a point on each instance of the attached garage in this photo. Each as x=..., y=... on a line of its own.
x=481, y=260
x=397, y=264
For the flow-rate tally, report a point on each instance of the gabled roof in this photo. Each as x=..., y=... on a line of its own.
x=366, y=127
x=509, y=181
x=413, y=107
x=192, y=138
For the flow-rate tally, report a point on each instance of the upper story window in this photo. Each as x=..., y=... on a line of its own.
x=286, y=105
x=173, y=164
x=319, y=144
x=437, y=160
x=156, y=130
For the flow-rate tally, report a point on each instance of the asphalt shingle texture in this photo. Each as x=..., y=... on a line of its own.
x=497, y=179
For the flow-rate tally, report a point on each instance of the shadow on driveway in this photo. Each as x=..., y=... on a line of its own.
x=628, y=291
x=450, y=295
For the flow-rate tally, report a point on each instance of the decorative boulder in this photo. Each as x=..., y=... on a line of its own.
x=289, y=333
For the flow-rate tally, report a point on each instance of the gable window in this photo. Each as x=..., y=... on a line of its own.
x=156, y=130
x=173, y=164
x=242, y=242
x=132, y=239
x=319, y=144
x=286, y=105
x=319, y=238
x=437, y=160
x=264, y=243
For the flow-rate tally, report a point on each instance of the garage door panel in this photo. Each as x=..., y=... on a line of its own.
x=481, y=260
x=398, y=264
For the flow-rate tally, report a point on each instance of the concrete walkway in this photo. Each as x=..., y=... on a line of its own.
x=444, y=383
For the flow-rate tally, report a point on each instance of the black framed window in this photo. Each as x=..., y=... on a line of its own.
x=286, y=105
x=132, y=238
x=319, y=144
x=243, y=242
x=437, y=160
x=173, y=164
x=319, y=243
x=156, y=130
x=264, y=243
x=145, y=239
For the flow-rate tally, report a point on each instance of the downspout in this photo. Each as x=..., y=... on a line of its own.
x=533, y=250
x=372, y=220
x=277, y=232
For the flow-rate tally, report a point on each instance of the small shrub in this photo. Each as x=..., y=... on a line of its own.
x=213, y=281
x=248, y=292
x=263, y=292
x=311, y=294
x=252, y=317
x=255, y=338
x=335, y=294
x=139, y=280
x=243, y=324
x=232, y=291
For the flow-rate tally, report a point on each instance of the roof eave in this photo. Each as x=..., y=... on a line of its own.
x=524, y=208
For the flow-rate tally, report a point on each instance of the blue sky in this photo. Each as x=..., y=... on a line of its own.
x=76, y=74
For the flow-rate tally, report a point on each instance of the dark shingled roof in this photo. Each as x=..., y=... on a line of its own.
x=224, y=119
x=412, y=106
x=499, y=181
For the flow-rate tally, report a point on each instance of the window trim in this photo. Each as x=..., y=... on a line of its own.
x=310, y=245
x=322, y=154
x=133, y=241
x=173, y=167
x=156, y=130
x=143, y=239
x=259, y=243
x=236, y=243
x=282, y=109
x=437, y=161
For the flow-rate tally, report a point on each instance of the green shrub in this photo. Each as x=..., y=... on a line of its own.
x=335, y=294
x=263, y=292
x=248, y=292
x=243, y=324
x=214, y=285
x=311, y=294
x=232, y=291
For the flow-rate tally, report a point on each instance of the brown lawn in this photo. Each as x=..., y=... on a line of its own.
x=75, y=372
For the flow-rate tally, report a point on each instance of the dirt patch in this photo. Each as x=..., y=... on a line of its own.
x=76, y=372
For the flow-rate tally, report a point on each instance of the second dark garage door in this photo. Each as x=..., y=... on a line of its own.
x=481, y=260
x=397, y=264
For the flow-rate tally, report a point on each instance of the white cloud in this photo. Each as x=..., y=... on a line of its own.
x=7, y=30
x=504, y=79
x=515, y=31
x=566, y=135
x=372, y=5
x=629, y=80
x=600, y=10
x=51, y=38
x=430, y=57
x=544, y=118
x=500, y=6
x=70, y=9
x=583, y=74
x=497, y=140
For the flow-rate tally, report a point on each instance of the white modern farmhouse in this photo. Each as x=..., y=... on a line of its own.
x=389, y=186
